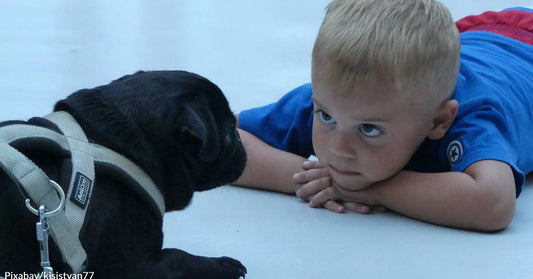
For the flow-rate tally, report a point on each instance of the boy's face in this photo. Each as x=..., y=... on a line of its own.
x=364, y=135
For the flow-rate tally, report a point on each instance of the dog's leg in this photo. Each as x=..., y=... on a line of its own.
x=168, y=264
x=177, y=264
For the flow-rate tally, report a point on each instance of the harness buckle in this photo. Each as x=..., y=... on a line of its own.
x=42, y=227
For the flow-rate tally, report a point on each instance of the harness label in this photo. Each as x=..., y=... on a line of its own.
x=82, y=189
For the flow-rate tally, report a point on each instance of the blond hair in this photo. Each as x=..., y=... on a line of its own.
x=411, y=44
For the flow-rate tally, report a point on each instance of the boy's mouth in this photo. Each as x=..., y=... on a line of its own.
x=343, y=172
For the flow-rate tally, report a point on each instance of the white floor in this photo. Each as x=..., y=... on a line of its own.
x=255, y=51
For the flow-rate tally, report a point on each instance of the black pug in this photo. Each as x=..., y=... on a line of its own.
x=177, y=126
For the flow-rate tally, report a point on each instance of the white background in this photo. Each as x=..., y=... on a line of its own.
x=255, y=51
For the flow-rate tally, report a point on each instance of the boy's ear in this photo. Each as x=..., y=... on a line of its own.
x=443, y=119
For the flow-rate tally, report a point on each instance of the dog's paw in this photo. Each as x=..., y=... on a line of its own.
x=179, y=264
x=229, y=268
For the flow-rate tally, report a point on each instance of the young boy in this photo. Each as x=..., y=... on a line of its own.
x=406, y=114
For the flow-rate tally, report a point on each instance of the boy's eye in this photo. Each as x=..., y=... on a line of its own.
x=370, y=130
x=326, y=118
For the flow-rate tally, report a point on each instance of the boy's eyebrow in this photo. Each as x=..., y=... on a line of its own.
x=315, y=101
x=373, y=119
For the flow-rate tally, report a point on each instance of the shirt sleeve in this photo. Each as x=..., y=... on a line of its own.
x=483, y=135
x=286, y=124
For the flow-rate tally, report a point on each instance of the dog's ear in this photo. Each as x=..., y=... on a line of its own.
x=199, y=132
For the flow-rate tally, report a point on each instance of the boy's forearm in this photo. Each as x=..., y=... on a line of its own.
x=451, y=199
x=268, y=168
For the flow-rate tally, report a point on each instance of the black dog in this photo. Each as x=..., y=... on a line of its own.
x=178, y=128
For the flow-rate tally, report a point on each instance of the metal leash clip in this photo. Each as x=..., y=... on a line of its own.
x=42, y=227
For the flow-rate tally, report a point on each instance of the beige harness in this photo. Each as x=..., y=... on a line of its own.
x=67, y=221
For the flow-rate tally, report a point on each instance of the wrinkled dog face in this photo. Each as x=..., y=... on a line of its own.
x=211, y=138
x=202, y=125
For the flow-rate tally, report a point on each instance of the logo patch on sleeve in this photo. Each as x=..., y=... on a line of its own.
x=454, y=151
x=81, y=190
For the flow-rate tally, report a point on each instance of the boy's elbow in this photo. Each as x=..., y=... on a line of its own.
x=499, y=212
x=499, y=218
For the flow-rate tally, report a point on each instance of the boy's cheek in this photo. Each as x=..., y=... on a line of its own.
x=317, y=136
x=319, y=144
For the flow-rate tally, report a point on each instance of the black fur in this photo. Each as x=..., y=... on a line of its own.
x=175, y=125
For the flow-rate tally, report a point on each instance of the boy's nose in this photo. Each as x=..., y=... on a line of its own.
x=341, y=144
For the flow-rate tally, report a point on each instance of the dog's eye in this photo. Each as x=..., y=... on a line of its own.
x=227, y=140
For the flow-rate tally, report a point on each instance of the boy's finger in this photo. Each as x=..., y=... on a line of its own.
x=309, y=175
x=333, y=206
x=329, y=193
x=357, y=207
x=313, y=187
x=307, y=165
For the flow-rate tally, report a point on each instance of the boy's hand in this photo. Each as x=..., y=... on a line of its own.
x=313, y=180
x=361, y=201
x=318, y=188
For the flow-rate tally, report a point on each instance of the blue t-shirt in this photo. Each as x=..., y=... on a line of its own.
x=494, y=122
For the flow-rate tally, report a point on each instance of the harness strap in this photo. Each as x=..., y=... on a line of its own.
x=106, y=155
x=82, y=177
x=80, y=188
x=100, y=154
x=87, y=152
x=28, y=175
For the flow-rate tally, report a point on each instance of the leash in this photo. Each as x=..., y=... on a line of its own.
x=66, y=222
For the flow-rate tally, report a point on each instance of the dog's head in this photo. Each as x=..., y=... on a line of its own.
x=176, y=125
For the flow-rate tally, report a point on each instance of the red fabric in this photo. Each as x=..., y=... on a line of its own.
x=516, y=24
